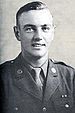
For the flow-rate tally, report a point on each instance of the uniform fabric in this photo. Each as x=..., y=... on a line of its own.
x=20, y=94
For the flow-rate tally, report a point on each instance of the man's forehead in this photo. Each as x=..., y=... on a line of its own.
x=36, y=16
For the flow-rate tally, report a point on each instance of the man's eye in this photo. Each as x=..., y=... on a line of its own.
x=45, y=28
x=28, y=29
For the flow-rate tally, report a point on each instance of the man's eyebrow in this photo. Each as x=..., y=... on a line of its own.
x=29, y=25
x=34, y=26
x=46, y=25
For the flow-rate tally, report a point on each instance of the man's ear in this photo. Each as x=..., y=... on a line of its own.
x=17, y=33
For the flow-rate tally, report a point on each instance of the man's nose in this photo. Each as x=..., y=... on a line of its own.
x=38, y=35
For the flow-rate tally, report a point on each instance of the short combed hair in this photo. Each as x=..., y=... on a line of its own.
x=30, y=6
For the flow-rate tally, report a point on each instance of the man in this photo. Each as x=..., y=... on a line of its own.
x=33, y=83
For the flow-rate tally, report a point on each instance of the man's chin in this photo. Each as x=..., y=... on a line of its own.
x=38, y=55
x=35, y=54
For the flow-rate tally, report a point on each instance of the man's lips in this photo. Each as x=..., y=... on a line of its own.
x=38, y=45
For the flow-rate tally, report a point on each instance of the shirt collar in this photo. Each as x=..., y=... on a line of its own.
x=44, y=67
x=30, y=67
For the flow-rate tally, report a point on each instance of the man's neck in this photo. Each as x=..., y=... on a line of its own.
x=34, y=60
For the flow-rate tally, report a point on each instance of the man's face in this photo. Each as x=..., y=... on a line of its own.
x=35, y=32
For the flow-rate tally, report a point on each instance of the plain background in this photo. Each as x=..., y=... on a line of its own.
x=63, y=45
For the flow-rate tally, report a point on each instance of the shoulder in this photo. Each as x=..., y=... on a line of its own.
x=10, y=63
x=9, y=67
x=5, y=65
x=63, y=67
x=5, y=70
x=61, y=64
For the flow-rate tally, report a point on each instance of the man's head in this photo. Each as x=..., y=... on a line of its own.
x=34, y=28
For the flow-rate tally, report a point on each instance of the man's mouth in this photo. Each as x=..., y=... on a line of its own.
x=38, y=45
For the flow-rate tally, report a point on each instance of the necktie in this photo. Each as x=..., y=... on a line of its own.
x=39, y=77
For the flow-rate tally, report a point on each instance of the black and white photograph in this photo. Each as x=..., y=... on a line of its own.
x=37, y=56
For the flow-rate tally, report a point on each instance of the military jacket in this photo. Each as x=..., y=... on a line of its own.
x=19, y=93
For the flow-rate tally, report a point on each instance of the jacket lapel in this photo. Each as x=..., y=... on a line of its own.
x=23, y=79
x=27, y=84
x=52, y=81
